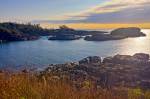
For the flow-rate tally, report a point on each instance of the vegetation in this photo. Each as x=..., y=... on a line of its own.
x=20, y=32
x=29, y=29
x=33, y=86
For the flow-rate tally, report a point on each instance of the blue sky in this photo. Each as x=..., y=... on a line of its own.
x=76, y=11
x=42, y=9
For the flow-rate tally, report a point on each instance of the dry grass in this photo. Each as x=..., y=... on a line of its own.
x=29, y=86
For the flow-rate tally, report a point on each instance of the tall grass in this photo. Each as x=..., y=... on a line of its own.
x=30, y=86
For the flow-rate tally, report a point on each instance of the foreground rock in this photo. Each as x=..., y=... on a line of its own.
x=117, y=34
x=120, y=70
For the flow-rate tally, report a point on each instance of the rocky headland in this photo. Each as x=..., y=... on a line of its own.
x=20, y=32
x=119, y=70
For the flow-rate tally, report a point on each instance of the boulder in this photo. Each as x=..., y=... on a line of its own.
x=145, y=84
x=139, y=59
x=141, y=56
x=118, y=59
x=90, y=59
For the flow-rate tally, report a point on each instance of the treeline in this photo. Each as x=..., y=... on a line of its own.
x=20, y=32
x=30, y=29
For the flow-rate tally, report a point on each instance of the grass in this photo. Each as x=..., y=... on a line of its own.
x=30, y=86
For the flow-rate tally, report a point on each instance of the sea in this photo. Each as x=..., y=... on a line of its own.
x=40, y=53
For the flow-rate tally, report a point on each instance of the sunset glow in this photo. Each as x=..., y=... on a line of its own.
x=96, y=26
x=85, y=14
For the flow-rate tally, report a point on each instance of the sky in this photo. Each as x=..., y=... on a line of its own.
x=78, y=13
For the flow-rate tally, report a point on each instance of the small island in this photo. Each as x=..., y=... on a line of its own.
x=66, y=33
x=117, y=34
x=22, y=32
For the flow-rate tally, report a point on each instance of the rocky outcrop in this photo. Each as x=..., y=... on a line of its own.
x=128, y=32
x=13, y=35
x=116, y=34
x=20, y=32
x=66, y=33
x=119, y=70
x=137, y=59
x=103, y=37
x=90, y=60
x=142, y=56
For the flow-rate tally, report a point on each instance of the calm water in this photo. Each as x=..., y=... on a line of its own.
x=42, y=52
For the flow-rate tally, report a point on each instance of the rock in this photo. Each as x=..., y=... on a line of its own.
x=90, y=60
x=1, y=71
x=118, y=59
x=128, y=32
x=103, y=37
x=72, y=64
x=145, y=84
x=119, y=70
x=25, y=71
x=137, y=59
x=108, y=60
x=116, y=34
x=76, y=74
x=142, y=56
x=65, y=37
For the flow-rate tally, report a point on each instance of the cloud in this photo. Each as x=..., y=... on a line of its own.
x=114, y=11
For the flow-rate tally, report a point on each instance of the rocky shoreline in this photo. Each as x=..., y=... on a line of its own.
x=119, y=70
x=124, y=71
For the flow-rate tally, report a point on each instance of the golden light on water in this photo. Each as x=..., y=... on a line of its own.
x=136, y=45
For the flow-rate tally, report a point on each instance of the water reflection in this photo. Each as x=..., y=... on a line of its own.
x=43, y=52
x=137, y=45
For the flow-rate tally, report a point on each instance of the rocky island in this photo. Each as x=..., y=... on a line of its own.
x=117, y=34
x=21, y=32
x=65, y=37
x=66, y=33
